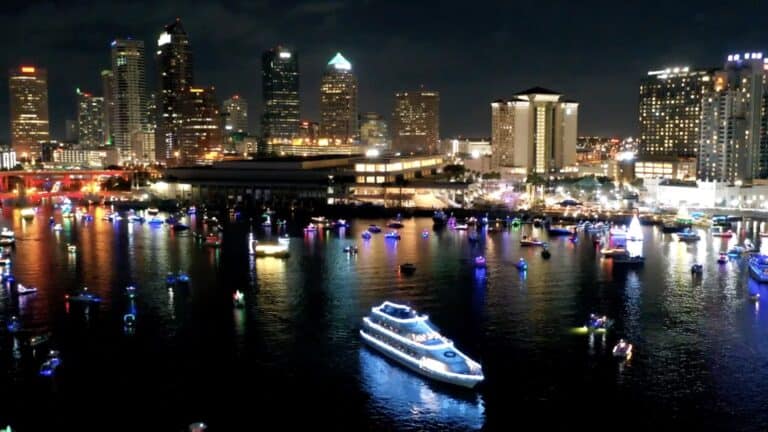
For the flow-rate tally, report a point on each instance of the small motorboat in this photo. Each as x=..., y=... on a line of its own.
x=21, y=289
x=170, y=278
x=394, y=224
x=350, y=249
x=152, y=211
x=722, y=259
x=130, y=291
x=71, y=248
x=479, y=261
x=525, y=241
x=319, y=219
x=156, y=221
x=366, y=235
x=598, y=323
x=697, y=269
x=736, y=251
x=545, y=253
x=182, y=278
x=238, y=299
x=192, y=210
x=135, y=218
x=425, y=234
x=14, y=325
x=392, y=235
x=49, y=366
x=178, y=226
x=407, y=268
x=461, y=227
x=612, y=252
x=83, y=297
x=36, y=341
x=340, y=223
x=623, y=350
x=7, y=233
x=374, y=229
x=629, y=261
x=522, y=265
x=311, y=228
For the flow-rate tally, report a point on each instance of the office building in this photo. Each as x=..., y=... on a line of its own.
x=416, y=122
x=90, y=120
x=28, y=89
x=174, y=62
x=374, y=132
x=338, y=103
x=280, y=91
x=235, y=110
x=200, y=136
x=107, y=85
x=534, y=132
x=128, y=94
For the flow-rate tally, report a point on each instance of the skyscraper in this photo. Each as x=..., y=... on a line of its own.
x=28, y=87
x=107, y=88
x=174, y=61
x=416, y=122
x=280, y=89
x=236, y=114
x=90, y=120
x=534, y=132
x=128, y=94
x=733, y=120
x=338, y=102
x=200, y=135
x=374, y=132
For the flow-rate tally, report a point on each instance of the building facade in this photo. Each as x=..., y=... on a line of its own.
x=90, y=120
x=107, y=85
x=338, y=103
x=280, y=90
x=374, y=132
x=128, y=94
x=416, y=122
x=535, y=132
x=733, y=120
x=235, y=110
x=174, y=61
x=200, y=136
x=28, y=89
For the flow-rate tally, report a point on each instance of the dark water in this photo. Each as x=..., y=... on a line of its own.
x=293, y=355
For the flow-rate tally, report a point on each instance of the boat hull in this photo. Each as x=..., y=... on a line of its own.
x=758, y=275
x=413, y=365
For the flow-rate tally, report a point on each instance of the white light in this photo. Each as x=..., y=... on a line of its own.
x=372, y=153
x=747, y=56
x=475, y=154
x=165, y=38
x=285, y=55
x=730, y=57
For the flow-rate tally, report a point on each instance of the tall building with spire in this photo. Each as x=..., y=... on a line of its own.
x=174, y=62
x=129, y=95
x=338, y=103
x=416, y=122
x=90, y=120
x=280, y=89
x=28, y=89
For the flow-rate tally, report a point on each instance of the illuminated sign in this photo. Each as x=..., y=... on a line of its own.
x=165, y=38
x=285, y=55
x=340, y=63
x=28, y=69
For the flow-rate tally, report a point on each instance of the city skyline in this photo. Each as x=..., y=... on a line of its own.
x=599, y=63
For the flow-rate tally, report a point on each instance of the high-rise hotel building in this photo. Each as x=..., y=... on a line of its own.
x=129, y=95
x=28, y=89
x=534, y=132
x=416, y=122
x=338, y=103
x=670, y=121
x=734, y=140
x=280, y=90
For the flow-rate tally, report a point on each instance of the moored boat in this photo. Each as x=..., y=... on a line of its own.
x=758, y=268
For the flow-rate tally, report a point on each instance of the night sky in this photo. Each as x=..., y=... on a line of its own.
x=472, y=52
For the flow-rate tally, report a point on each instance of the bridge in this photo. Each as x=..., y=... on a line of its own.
x=55, y=180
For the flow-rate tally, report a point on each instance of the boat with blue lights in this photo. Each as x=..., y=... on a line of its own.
x=392, y=235
x=480, y=261
x=758, y=268
x=366, y=235
x=374, y=229
x=83, y=297
x=688, y=236
x=410, y=339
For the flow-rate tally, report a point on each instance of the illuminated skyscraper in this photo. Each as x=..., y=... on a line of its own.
x=90, y=120
x=374, y=132
x=280, y=88
x=200, y=135
x=734, y=139
x=416, y=122
x=174, y=62
x=107, y=85
x=128, y=94
x=28, y=87
x=534, y=132
x=236, y=114
x=338, y=103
